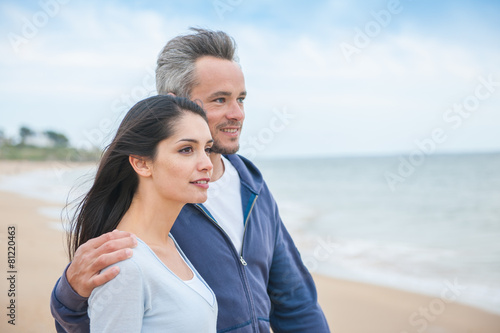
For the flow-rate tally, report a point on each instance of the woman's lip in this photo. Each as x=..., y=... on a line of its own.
x=202, y=185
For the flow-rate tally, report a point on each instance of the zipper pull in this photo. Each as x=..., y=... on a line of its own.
x=244, y=263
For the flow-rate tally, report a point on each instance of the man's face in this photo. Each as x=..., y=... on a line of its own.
x=221, y=89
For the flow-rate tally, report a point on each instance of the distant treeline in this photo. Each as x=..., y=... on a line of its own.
x=42, y=146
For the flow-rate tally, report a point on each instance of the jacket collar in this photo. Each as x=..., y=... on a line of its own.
x=250, y=176
x=251, y=184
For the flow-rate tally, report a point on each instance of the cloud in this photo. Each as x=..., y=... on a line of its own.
x=395, y=91
x=91, y=58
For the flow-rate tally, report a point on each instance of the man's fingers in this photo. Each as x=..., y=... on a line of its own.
x=97, y=242
x=115, y=245
x=108, y=259
x=104, y=277
x=84, y=281
x=95, y=255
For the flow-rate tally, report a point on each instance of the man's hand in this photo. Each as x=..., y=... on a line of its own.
x=84, y=272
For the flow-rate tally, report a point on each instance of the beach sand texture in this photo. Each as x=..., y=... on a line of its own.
x=350, y=307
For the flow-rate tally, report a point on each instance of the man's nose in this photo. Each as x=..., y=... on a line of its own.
x=236, y=111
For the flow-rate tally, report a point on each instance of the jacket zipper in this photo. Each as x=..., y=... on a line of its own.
x=243, y=262
x=255, y=320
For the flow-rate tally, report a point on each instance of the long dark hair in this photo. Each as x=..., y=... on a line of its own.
x=144, y=126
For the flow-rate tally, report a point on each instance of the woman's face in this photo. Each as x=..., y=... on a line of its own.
x=182, y=168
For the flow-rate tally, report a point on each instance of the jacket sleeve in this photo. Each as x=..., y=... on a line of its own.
x=294, y=302
x=68, y=308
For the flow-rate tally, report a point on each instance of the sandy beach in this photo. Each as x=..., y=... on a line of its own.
x=350, y=307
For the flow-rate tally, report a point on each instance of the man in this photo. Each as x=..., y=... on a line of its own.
x=236, y=240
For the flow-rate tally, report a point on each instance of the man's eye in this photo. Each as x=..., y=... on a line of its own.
x=220, y=100
x=241, y=100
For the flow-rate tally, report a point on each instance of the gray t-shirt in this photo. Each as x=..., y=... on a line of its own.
x=147, y=297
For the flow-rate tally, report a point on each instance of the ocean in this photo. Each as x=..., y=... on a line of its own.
x=431, y=227
x=438, y=227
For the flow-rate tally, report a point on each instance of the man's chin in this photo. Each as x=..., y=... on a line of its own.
x=225, y=150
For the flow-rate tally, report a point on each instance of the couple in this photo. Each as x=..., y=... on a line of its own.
x=235, y=241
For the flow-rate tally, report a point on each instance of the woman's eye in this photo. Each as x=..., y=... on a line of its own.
x=208, y=150
x=186, y=150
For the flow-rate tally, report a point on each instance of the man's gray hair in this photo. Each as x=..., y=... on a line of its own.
x=175, y=70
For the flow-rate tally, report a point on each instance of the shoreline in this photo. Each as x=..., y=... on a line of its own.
x=349, y=306
x=15, y=167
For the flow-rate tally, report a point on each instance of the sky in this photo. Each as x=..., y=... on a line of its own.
x=324, y=78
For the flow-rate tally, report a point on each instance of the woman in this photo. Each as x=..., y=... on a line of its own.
x=157, y=162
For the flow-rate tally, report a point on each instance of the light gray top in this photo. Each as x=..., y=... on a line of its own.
x=147, y=297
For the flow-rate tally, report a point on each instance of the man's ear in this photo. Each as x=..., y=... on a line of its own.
x=171, y=94
x=199, y=102
x=140, y=165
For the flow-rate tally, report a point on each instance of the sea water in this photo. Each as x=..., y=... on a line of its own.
x=57, y=184
x=436, y=230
